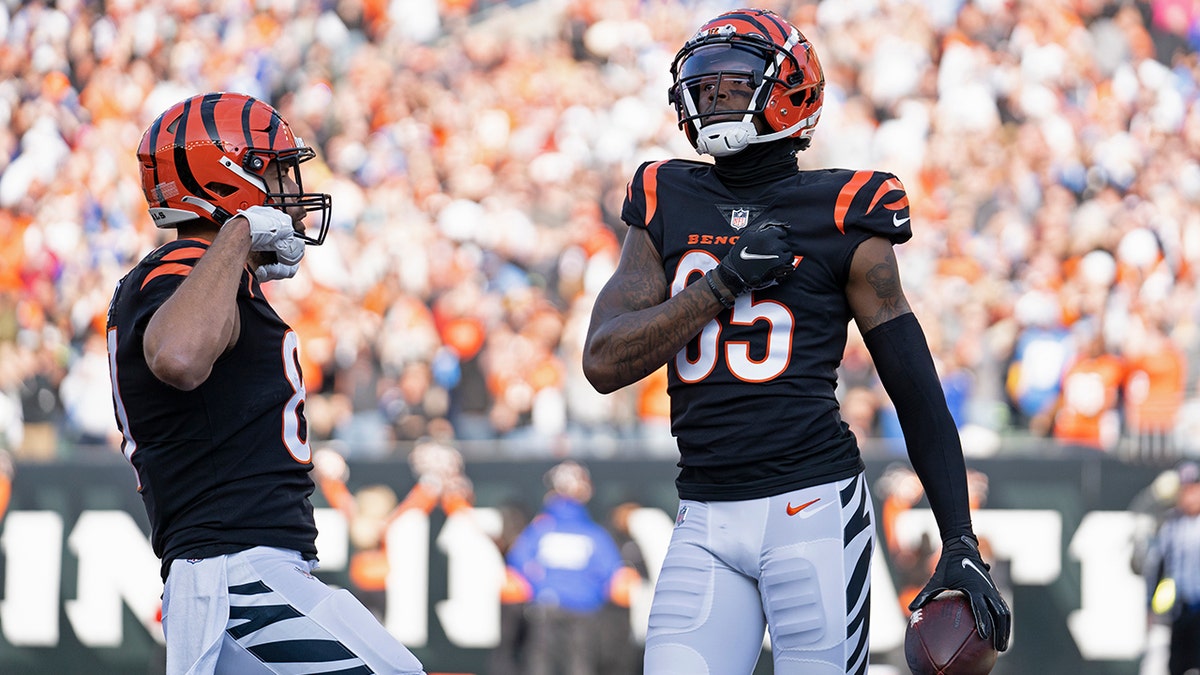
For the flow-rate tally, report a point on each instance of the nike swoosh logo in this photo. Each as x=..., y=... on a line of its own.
x=968, y=564
x=898, y=221
x=747, y=255
x=793, y=510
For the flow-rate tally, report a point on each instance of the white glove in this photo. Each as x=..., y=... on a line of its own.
x=275, y=271
x=289, y=251
x=267, y=226
x=271, y=230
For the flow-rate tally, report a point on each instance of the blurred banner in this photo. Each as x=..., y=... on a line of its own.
x=81, y=591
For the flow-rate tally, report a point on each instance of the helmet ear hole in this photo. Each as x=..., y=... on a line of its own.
x=805, y=96
x=221, y=189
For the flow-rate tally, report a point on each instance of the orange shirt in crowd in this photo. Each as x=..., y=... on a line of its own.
x=1087, y=413
x=1154, y=388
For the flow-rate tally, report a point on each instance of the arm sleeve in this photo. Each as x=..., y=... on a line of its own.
x=905, y=366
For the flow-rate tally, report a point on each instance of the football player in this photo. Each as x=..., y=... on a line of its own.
x=210, y=400
x=742, y=275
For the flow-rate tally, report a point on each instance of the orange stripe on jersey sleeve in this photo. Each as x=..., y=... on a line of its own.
x=890, y=185
x=189, y=253
x=170, y=268
x=650, y=189
x=846, y=196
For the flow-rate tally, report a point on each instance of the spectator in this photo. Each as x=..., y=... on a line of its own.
x=622, y=655
x=572, y=566
x=505, y=657
x=1087, y=413
x=86, y=395
x=1155, y=386
x=6, y=480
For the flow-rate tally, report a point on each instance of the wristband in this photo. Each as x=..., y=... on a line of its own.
x=725, y=299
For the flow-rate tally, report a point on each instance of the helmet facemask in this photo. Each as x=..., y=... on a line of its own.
x=282, y=167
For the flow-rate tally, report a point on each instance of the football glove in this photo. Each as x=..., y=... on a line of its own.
x=267, y=226
x=272, y=231
x=274, y=272
x=288, y=251
x=960, y=568
x=760, y=258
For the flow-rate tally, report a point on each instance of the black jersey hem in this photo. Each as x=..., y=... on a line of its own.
x=760, y=489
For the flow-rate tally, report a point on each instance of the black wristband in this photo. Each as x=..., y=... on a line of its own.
x=725, y=300
x=732, y=281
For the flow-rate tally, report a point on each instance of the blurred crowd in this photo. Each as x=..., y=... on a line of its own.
x=478, y=153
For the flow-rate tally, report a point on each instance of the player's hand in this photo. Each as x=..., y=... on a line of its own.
x=274, y=272
x=760, y=258
x=288, y=251
x=267, y=227
x=960, y=568
x=272, y=232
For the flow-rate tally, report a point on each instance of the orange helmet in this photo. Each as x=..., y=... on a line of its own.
x=766, y=57
x=209, y=156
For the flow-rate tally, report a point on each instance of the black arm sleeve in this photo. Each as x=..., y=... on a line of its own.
x=905, y=366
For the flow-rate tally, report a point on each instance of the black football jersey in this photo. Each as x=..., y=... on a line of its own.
x=224, y=467
x=753, y=403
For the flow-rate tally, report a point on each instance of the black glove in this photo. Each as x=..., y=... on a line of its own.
x=960, y=568
x=760, y=258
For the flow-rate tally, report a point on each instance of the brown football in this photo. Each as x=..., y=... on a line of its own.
x=941, y=639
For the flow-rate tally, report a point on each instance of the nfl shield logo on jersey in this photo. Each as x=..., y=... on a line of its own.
x=739, y=218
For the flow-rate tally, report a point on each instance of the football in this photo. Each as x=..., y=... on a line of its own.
x=941, y=639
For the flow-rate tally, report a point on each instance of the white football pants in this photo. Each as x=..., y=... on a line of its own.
x=261, y=611
x=796, y=564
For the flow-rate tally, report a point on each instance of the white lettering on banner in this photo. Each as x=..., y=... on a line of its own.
x=32, y=544
x=887, y=618
x=1108, y=624
x=333, y=540
x=115, y=564
x=470, y=614
x=1031, y=540
x=117, y=568
x=408, y=578
x=1111, y=624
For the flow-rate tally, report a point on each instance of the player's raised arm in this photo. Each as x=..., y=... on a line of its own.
x=635, y=328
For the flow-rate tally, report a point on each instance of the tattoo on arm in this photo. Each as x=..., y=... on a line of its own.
x=636, y=325
x=884, y=279
x=647, y=342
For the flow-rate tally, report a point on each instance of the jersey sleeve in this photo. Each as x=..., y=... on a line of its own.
x=873, y=203
x=162, y=272
x=641, y=201
x=640, y=198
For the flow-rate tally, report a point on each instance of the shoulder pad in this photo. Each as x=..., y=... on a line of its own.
x=173, y=259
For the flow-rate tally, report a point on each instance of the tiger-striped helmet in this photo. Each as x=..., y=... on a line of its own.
x=747, y=76
x=211, y=155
